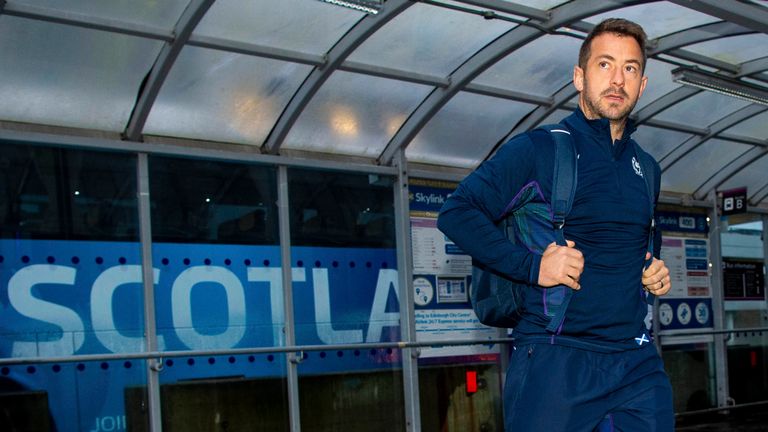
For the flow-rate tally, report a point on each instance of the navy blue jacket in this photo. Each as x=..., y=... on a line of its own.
x=609, y=221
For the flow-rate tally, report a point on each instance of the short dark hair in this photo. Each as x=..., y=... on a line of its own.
x=617, y=26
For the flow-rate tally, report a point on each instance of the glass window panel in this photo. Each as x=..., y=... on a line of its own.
x=307, y=26
x=697, y=165
x=214, y=228
x=747, y=360
x=355, y=114
x=353, y=400
x=219, y=96
x=734, y=49
x=659, y=82
x=52, y=193
x=755, y=127
x=87, y=396
x=702, y=109
x=66, y=76
x=541, y=67
x=212, y=202
x=244, y=392
x=744, y=292
x=753, y=176
x=444, y=398
x=659, y=142
x=465, y=130
x=429, y=39
x=658, y=18
x=344, y=262
x=163, y=14
x=689, y=367
x=69, y=251
x=336, y=209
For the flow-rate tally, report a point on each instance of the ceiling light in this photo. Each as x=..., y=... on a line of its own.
x=368, y=6
x=696, y=77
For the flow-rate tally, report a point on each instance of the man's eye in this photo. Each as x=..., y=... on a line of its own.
x=631, y=69
x=603, y=65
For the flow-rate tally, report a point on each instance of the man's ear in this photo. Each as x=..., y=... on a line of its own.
x=578, y=78
x=643, y=83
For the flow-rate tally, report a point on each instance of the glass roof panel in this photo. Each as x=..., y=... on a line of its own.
x=734, y=49
x=306, y=26
x=752, y=176
x=161, y=14
x=220, y=96
x=461, y=137
x=355, y=114
x=429, y=40
x=702, y=109
x=555, y=117
x=67, y=76
x=658, y=142
x=658, y=18
x=539, y=4
x=659, y=82
x=756, y=127
x=541, y=67
x=710, y=157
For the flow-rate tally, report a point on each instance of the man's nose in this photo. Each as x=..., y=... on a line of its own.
x=617, y=77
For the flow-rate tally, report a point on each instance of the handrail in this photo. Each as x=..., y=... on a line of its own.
x=714, y=332
x=723, y=408
x=241, y=351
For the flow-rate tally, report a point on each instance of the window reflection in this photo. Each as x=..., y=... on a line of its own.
x=341, y=209
x=67, y=194
x=212, y=202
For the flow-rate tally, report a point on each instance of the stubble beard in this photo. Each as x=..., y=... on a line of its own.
x=600, y=111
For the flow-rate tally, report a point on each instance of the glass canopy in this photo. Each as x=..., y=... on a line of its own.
x=447, y=81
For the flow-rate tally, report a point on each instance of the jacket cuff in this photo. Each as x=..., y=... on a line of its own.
x=533, y=273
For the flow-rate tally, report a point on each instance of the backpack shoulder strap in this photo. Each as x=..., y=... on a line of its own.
x=563, y=191
x=564, y=176
x=647, y=167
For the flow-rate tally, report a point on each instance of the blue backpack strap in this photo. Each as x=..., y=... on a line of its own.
x=563, y=191
x=649, y=175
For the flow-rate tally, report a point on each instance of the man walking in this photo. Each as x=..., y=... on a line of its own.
x=598, y=371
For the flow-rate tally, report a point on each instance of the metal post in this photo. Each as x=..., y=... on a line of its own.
x=153, y=366
x=292, y=374
x=407, y=313
x=718, y=306
x=764, y=237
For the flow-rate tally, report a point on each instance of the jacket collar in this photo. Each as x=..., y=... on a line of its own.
x=599, y=127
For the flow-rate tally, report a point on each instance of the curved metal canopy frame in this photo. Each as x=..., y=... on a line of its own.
x=353, y=39
x=714, y=129
x=154, y=81
x=484, y=58
x=739, y=19
x=664, y=45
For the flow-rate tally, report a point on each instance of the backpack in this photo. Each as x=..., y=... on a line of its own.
x=498, y=301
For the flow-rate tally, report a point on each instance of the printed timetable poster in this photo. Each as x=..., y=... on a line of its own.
x=688, y=305
x=441, y=280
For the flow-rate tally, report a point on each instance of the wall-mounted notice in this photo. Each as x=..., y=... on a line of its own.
x=688, y=305
x=743, y=280
x=442, y=277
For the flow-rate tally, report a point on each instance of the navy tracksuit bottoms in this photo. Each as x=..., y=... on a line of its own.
x=555, y=388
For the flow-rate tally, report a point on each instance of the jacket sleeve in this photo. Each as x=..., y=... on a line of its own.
x=470, y=214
